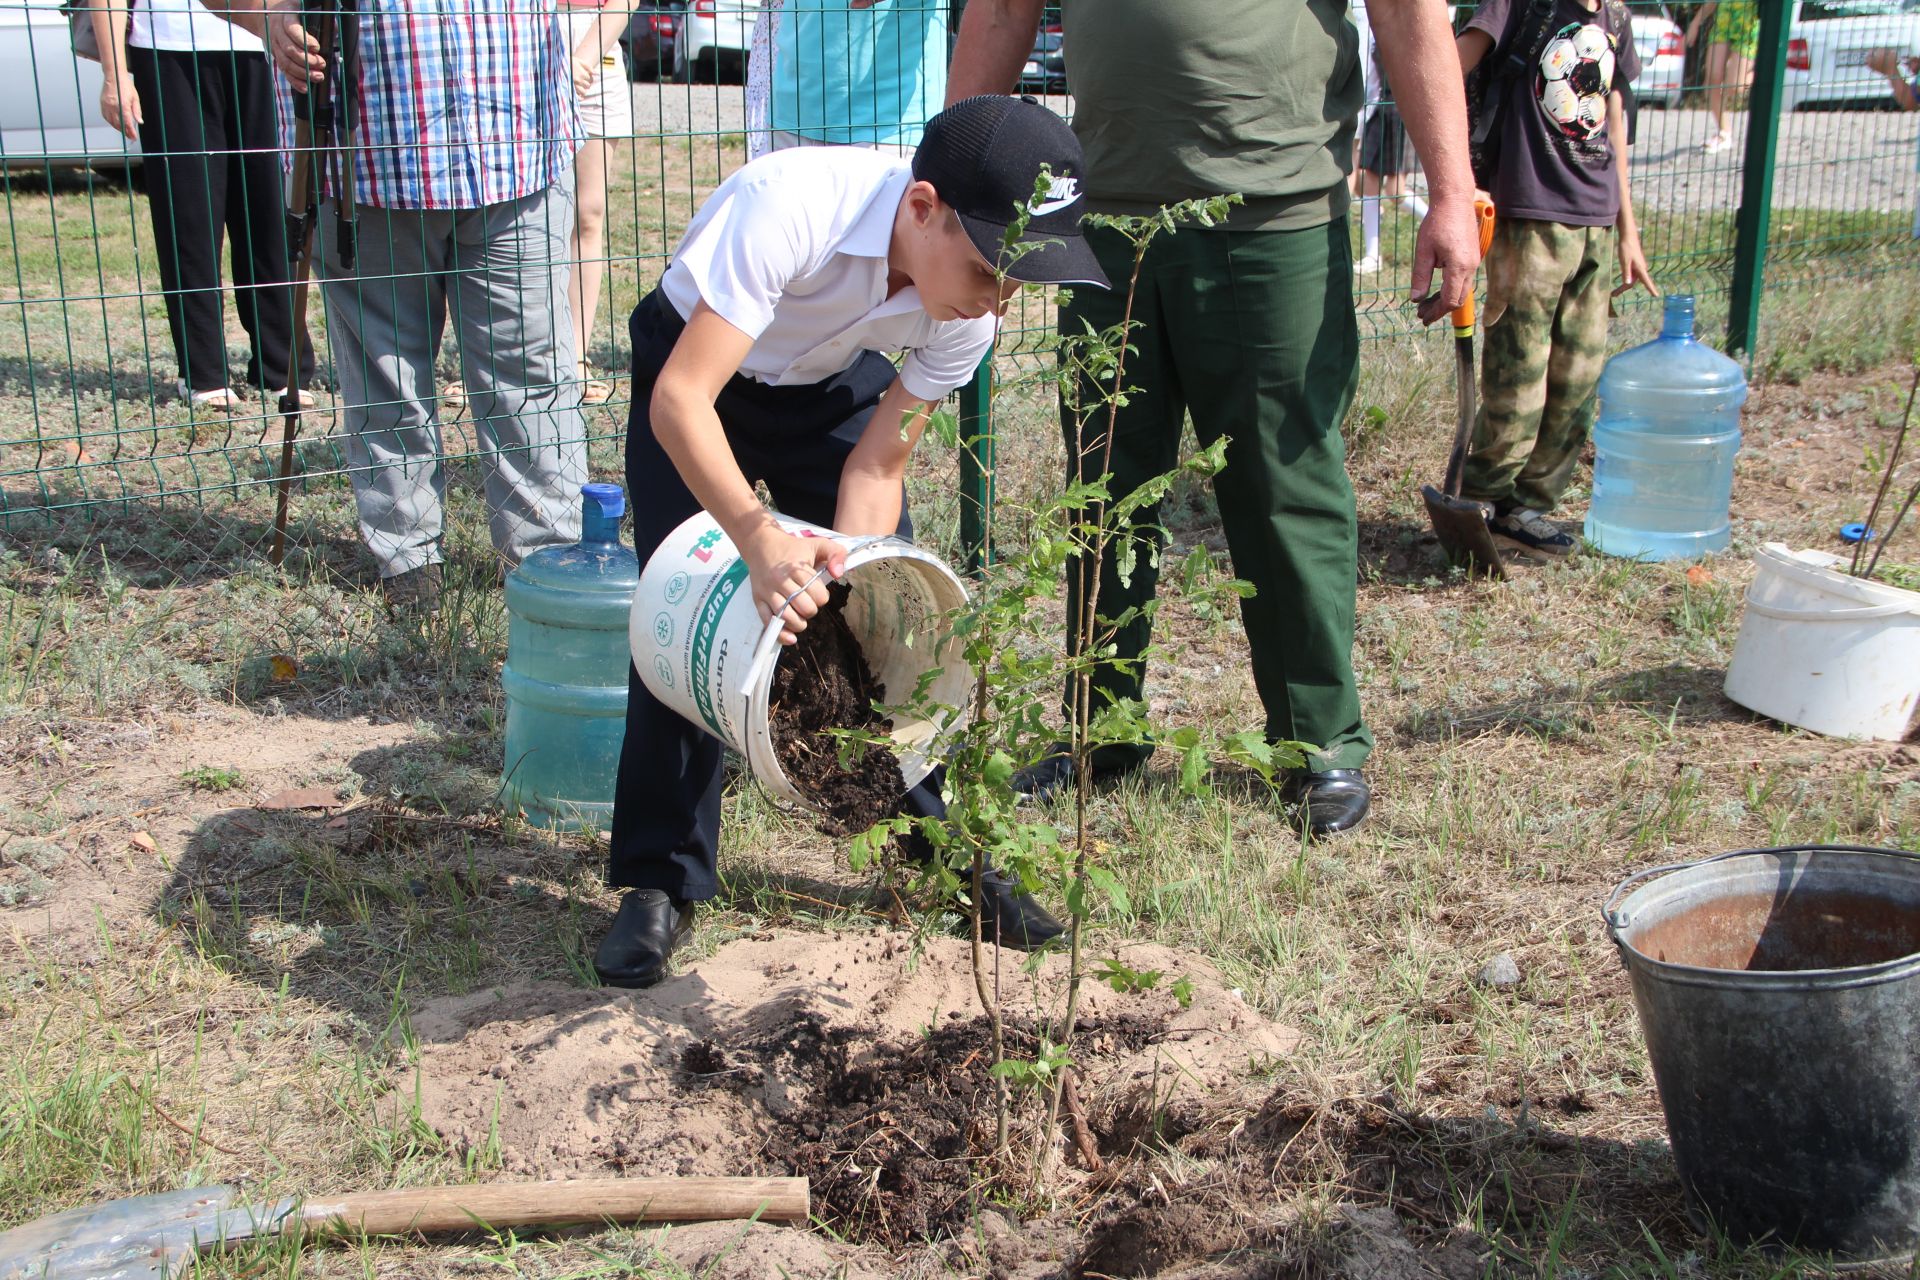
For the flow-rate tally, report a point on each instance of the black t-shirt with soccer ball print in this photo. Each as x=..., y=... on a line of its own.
x=1555, y=155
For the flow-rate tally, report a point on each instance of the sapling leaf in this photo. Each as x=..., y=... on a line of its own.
x=1105, y=881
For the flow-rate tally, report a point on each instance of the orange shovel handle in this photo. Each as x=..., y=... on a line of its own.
x=1463, y=314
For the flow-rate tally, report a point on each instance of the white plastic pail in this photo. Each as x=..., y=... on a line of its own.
x=1824, y=650
x=701, y=648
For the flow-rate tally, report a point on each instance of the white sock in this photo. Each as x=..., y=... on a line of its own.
x=1370, y=226
x=1414, y=205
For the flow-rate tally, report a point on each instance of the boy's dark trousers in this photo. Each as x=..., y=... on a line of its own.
x=666, y=808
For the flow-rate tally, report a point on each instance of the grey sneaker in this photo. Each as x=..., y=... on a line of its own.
x=1525, y=529
x=415, y=591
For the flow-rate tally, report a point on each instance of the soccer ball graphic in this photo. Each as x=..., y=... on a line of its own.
x=1576, y=73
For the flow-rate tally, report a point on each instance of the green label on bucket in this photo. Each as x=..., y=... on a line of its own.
x=704, y=629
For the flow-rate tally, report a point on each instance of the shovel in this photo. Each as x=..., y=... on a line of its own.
x=1461, y=524
x=159, y=1236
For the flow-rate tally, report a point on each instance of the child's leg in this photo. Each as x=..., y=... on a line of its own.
x=666, y=805
x=1527, y=266
x=1369, y=214
x=1574, y=361
x=1717, y=87
x=589, y=241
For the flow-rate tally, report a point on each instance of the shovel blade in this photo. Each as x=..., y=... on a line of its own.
x=1461, y=525
x=141, y=1238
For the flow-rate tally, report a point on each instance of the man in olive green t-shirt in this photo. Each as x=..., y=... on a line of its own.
x=1250, y=326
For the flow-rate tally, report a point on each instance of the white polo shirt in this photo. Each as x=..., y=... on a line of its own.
x=792, y=251
x=184, y=26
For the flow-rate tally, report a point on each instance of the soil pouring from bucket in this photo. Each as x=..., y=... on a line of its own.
x=823, y=683
x=701, y=647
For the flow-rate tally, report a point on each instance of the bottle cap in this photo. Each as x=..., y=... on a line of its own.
x=610, y=498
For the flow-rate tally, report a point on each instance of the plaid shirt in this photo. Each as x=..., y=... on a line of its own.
x=460, y=103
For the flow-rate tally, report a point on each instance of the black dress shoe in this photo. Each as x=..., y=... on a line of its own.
x=644, y=934
x=1052, y=774
x=1012, y=918
x=1331, y=801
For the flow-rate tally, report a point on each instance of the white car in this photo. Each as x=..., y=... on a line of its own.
x=1662, y=47
x=714, y=37
x=50, y=107
x=1828, y=45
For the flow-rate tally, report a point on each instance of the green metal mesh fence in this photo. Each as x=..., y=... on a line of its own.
x=92, y=418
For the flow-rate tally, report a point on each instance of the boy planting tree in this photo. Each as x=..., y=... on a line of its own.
x=759, y=358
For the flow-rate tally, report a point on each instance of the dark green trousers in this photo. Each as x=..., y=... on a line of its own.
x=1253, y=334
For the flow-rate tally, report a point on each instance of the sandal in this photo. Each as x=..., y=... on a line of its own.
x=224, y=399
x=592, y=390
x=307, y=399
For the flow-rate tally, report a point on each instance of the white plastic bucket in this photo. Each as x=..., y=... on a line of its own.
x=701, y=648
x=1826, y=651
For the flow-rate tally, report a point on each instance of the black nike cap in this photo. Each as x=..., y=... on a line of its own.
x=983, y=155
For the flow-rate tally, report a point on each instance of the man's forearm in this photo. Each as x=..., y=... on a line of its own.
x=995, y=38
x=1417, y=51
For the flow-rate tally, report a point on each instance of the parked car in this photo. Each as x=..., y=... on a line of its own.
x=713, y=40
x=651, y=35
x=1662, y=47
x=1046, y=69
x=50, y=108
x=1828, y=43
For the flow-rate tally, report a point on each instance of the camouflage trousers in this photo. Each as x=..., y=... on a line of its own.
x=1546, y=340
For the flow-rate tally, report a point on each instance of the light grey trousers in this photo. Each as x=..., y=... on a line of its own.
x=503, y=270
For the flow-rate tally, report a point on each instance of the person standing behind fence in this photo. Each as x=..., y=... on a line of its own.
x=863, y=73
x=463, y=173
x=1730, y=54
x=1386, y=158
x=197, y=94
x=1906, y=94
x=604, y=98
x=1565, y=212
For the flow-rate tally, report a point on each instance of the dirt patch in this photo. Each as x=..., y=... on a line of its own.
x=824, y=683
x=859, y=1061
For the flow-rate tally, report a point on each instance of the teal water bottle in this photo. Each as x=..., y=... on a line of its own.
x=566, y=671
x=1663, y=447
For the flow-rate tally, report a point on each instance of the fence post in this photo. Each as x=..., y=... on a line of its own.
x=976, y=465
x=1753, y=223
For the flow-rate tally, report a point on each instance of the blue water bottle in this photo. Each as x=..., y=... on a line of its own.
x=1664, y=444
x=566, y=671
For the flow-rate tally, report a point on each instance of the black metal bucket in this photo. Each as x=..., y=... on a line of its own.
x=1779, y=990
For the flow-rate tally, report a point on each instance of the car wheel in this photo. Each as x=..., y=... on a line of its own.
x=682, y=69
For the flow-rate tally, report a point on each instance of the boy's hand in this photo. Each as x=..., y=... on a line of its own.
x=786, y=571
x=1633, y=266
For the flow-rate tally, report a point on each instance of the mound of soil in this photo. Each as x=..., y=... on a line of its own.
x=859, y=1061
x=821, y=683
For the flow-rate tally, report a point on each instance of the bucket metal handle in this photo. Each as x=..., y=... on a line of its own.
x=1618, y=920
